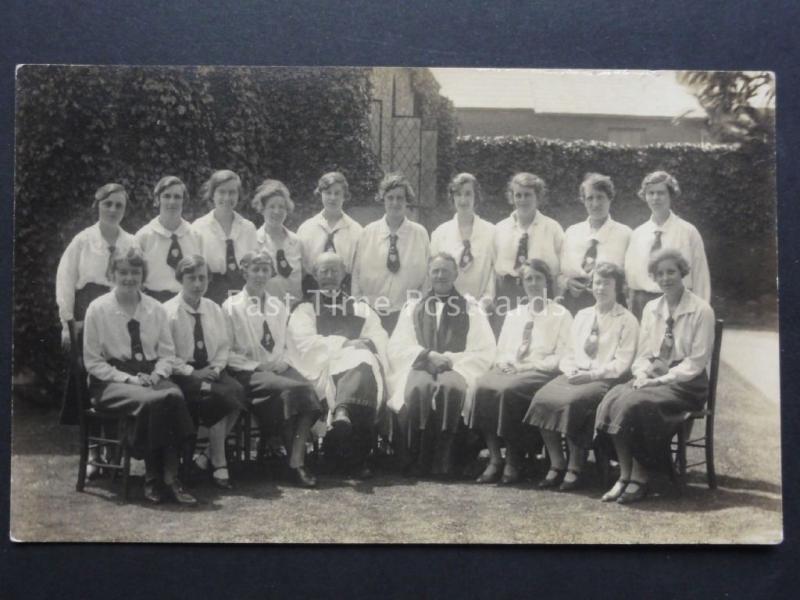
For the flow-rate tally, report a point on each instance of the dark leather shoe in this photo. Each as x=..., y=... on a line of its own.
x=615, y=492
x=510, y=476
x=176, y=492
x=221, y=482
x=304, y=478
x=568, y=486
x=491, y=474
x=551, y=482
x=635, y=496
x=153, y=491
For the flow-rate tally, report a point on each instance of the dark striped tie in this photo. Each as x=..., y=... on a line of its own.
x=466, y=255
x=230, y=257
x=137, y=351
x=393, y=257
x=284, y=268
x=174, y=254
x=200, y=358
x=525, y=346
x=522, y=251
x=267, y=341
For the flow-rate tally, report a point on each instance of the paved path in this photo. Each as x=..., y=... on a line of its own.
x=755, y=356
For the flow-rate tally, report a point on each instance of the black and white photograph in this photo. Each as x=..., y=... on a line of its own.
x=395, y=305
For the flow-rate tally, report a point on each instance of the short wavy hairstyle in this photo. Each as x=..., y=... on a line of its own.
x=330, y=179
x=668, y=254
x=444, y=256
x=104, y=191
x=217, y=179
x=660, y=177
x=272, y=188
x=134, y=257
x=254, y=257
x=166, y=182
x=392, y=181
x=608, y=270
x=527, y=180
x=462, y=179
x=328, y=255
x=189, y=264
x=596, y=181
x=538, y=265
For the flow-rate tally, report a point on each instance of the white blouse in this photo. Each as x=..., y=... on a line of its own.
x=279, y=285
x=373, y=282
x=549, y=338
x=693, y=334
x=85, y=261
x=477, y=279
x=678, y=234
x=314, y=234
x=545, y=238
x=181, y=326
x=612, y=238
x=244, y=318
x=106, y=337
x=213, y=239
x=618, y=330
x=155, y=240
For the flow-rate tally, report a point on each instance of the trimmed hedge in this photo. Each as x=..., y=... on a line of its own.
x=727, y=192
x=80, y=127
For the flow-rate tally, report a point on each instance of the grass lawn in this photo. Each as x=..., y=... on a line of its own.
x=389, y=509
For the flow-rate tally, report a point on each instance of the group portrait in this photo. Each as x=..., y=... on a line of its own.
x=377, y=305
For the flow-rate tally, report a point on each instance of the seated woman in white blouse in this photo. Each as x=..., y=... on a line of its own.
x=392, y=254
x=225, y=235
x=201, y=356
x=330, y=230
x=282, y=400
x=167, y=238
x=273, y=201
x=597, y=239
x=533, y=339
x=664, y=229
x=129, y=354
x=525, y=234
x=601, y=350
x=669, y=378
x=469, y=239
x=83, y=274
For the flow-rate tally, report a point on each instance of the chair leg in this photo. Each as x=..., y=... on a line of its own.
x=126, y=471
x=84, y=456
x=681, y=458
x=247, y=436
x=711, y=472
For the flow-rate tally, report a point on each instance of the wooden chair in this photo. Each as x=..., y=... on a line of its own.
x=91, y=421
x=683, y=440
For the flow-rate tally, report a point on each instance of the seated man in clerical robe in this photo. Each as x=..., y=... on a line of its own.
x=339, y=344
x=443, y=342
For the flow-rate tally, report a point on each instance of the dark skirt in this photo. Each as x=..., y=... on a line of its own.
x=638, y=298
x=161, y=295
x=648, y=418
x=69, y=401
x=502, y=399
x=161, y=418
x=210, y=407
x=275, y=398
x=222, y=285
x=567, y=408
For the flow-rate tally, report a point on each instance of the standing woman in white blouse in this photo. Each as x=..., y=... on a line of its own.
x=533, y=339
x=669, y=378
x=330, y=230
x=282, y=400
x=392, y=254
x=273, y=201
x=664, y=229
x=225, y=235
x=129, y=355
x=525, y=234
x=469, y=239
x=601, y=350
x=167, y=238
x=84, y=270
x=597, y=239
